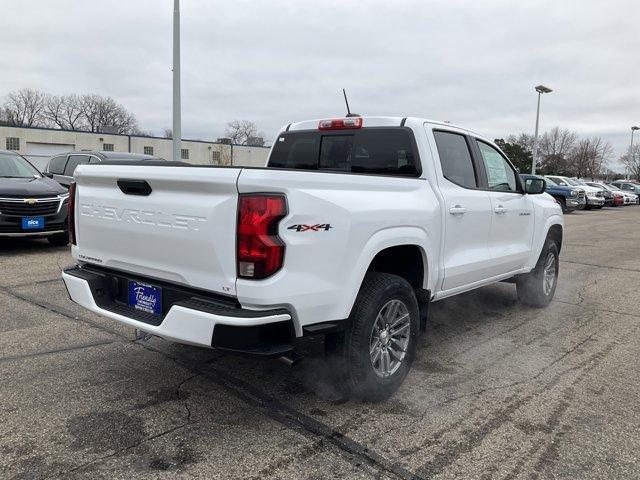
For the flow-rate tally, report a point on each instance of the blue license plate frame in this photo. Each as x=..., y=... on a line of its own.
x=146, y=298
x=32, y=223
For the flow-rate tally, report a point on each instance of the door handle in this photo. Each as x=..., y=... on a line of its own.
x=457, y=210
x=500, y=210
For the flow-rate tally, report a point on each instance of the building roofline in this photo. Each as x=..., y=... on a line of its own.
x=51, y=129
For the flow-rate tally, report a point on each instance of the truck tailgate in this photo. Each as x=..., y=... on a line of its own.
x=183, y=231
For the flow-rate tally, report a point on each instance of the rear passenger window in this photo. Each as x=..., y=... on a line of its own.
x=500, y=175
x=380, y=151
x=296, y=150
x=455, y=158
x=56, y=164
x=385, y=151
x=74, y=161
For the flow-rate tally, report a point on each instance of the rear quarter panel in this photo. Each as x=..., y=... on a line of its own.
x=324, y=267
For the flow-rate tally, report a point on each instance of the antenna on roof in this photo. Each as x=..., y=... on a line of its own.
x=349, y=114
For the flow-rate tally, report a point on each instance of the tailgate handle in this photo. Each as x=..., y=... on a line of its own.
x=134, y=187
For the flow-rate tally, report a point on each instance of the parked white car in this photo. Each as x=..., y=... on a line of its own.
x=352, y=229
x=629, y=198
x=627, y=186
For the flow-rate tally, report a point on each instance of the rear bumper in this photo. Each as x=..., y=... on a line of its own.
x=189, y=318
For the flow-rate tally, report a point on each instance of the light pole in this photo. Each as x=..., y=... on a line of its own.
x=540, y=89
x=177, y=130
x=630, y=161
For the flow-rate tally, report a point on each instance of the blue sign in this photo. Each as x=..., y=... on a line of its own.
x=32, y=223
x=146, y=298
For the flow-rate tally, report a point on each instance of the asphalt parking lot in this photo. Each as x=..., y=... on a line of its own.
x=497, y=391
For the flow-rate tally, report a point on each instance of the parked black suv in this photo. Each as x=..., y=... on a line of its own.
x=30, y=203
x=61, y=167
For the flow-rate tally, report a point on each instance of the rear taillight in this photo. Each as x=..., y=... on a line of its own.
x=71, y=213
x=260, y=251
x=340, y=123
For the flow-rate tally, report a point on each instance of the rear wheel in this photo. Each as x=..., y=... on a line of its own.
x=538, y=287
x=59, y=239
x=380, y=341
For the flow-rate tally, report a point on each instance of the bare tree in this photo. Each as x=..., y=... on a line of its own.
x=554, y=148
x=65, y=112
x=589, y=157
x=242, y=131
x=631, y=160
x=53, y=111
x=25, y=108
x=167, y=132
x=609, y=175
x=72, y=113
x=99, y=112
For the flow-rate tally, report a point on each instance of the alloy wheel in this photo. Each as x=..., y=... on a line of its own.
x=390, y=338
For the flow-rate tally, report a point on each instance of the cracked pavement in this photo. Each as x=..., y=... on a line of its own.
x=497, y=390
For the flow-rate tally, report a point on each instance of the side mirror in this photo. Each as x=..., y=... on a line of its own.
x=535, y=186
x=47, y=174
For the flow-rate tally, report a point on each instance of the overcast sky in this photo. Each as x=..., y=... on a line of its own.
x=473, y=63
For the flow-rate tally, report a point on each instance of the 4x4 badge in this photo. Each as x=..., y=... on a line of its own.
x=310, y=228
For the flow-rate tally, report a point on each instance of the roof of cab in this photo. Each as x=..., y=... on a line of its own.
x=113, y=155
x=373, y=121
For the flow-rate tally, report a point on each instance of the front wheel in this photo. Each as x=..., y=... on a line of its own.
x=380, y=342
x=538, y=287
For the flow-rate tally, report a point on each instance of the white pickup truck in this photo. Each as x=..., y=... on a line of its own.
x=355, y=225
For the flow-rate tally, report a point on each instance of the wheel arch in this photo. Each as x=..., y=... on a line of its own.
x=555, y=233
x=404, y=243
x=407, y=261
x=554, y=229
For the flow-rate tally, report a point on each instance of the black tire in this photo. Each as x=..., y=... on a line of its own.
x=531, y=287
x=59, y=239
x=379, y=291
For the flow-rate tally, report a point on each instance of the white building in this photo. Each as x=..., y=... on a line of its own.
x=39, y=144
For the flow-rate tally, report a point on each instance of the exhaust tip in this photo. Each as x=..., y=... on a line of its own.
x=291, y=359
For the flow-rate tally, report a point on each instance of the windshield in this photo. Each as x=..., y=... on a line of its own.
x=13, y=165
x=573, y=182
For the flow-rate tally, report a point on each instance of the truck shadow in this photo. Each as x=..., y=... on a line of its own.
x=473, y=316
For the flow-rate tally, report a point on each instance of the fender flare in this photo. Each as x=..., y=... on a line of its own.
x=552, y=220
x=386, y=238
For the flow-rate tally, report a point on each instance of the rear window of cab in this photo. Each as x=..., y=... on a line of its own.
x=373, y=151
